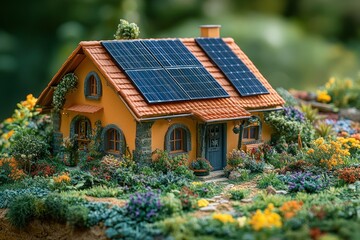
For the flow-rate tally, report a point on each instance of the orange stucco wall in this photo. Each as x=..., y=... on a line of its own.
x=114, y=110
x=160, y=127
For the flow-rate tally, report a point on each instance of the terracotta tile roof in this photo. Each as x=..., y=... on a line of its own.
x=234, y=107
x=84, y=108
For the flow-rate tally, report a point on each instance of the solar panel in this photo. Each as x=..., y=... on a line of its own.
x=156, y=85
x=197, y=82
x=234, y=69
x=171, y=53
x=131, y=55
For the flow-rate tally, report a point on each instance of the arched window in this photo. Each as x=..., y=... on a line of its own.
x=81, y=128
x=92, y=86
x=113, y=140
x=178, y=139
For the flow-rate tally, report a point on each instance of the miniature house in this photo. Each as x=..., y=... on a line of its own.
x=199, y=96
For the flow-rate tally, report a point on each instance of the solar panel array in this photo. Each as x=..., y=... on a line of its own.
x=234, y=69
x=164, y=70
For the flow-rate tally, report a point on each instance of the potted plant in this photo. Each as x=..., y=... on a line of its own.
x=201, y=167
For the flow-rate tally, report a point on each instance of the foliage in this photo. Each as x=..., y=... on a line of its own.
x=349, y=174
x=323, y=129
x=296, y=166
x=203, y=189
x=254, y=166
x=187, y=198
x=331, y=153
x=279, y=160
x=289, y=123
x=55, y=208
x=26, y=116
x=235, y=158
x=144, y=206
x=67, y=85
x=171, y=205
x=60, y=182
x=43, y=168
x=77, y=216
x=7, y=196
x=70, y=153
x=23, y=209
x=10, y=171
x=126, y=30
x=164, y=162
x=238, y=194
x=305, y=182
x=266, y=219
x=342, y=93
x=104, y=191
x=200, y=164
x=310, y=113
x=28, y=147
x=270, y=179
x=94, y=147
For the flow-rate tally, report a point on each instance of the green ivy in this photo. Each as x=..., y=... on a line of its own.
x=67, y=84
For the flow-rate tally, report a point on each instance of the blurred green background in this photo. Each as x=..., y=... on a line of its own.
x=295, y=44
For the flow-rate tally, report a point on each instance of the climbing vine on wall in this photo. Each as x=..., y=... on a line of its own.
x=67, y=84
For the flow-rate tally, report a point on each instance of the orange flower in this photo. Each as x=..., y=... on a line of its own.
x=290, y=208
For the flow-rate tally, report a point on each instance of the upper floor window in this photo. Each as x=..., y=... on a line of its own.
x=92, y=86
x=251, y=132
x=177, y=139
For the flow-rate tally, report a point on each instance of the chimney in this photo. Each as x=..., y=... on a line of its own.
x=210, y=31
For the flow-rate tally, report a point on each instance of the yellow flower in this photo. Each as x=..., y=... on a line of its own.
x=62, y=178
x=30, y=102
x=202, y=203
x=8, y=135
x=223, y=217
x=330, y=83
x=197, y=183
x=266, y=219
x=9, y=120
x=323, y=96
x=241, y=221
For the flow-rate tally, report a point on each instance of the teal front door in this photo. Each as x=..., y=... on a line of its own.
x=215, y=146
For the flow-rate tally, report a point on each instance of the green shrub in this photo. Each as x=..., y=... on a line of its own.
x=270, y=179
x=22, y=210
x=235, y=158
x=67, y=84
x=28, y=147
x=126, y=30
x=254, y=166
x=77, y=216
x=104, y=191
x=164, y=162
x=8, y=196
x=55, y=208
x=238, y=194
x=171, y=205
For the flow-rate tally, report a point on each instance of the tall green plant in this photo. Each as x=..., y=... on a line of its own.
x=127, y=30
x=67, y=84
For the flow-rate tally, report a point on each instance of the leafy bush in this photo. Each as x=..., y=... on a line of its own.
x=310, y=113
x=187, y=198
x=200, y=164
x=55, y=208
x=7, y=196
x=270, y=179
x=126, y=30
x=235, y=158
x=171, y=205
x=22, y=210
x=28, y=147
x=254, y=166
x=144, y=206
x=203, y=189
x=162, y=161
x=349, y=175
x=10, y=171
x=323, y=129
x=77, y=216
x=305, y=182
x=289, y=123
x=279, y=160
x=238, y=194
x=297, y=166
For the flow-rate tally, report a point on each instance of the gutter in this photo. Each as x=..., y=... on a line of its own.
x=266, y=109
x=165, y=117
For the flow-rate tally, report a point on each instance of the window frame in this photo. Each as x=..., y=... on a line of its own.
x=171, y=139
x=91, y=79
x=119, y=139
x=74, y=129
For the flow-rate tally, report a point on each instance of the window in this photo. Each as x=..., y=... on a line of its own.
x=177, y=139
x=113, y=140
x=81, y=128
x=92, y=86
x=251, y=132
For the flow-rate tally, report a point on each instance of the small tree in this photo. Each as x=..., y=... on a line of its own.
x=127, y=30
